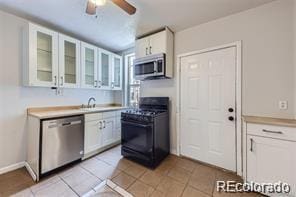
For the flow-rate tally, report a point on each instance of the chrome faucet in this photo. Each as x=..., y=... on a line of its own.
x=89, y=100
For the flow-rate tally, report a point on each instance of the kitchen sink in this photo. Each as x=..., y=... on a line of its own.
x=89, y=109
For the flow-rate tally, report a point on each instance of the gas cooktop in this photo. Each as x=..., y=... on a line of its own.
x=145, y=112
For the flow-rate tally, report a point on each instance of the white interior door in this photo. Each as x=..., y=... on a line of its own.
x=207, y=94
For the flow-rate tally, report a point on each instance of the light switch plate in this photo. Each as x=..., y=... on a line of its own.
x=283, y=105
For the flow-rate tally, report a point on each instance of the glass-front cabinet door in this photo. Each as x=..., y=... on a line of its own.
x=104, y=69
x=43, y=58
x=69, y=62
x=116, y=83
x=89, y=66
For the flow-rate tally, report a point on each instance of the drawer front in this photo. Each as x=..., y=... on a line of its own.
x=109, y=114
x=92, y=117
x=278, y=132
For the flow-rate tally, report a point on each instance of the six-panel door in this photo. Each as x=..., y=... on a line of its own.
x=43, y=57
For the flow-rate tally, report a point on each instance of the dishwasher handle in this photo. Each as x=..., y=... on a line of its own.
x=71, y=123
x=55, y=124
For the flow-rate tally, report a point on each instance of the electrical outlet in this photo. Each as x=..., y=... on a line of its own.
x=283, y=105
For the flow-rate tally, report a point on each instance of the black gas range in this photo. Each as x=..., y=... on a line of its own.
x=145, y=131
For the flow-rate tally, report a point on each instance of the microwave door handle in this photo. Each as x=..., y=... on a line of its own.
x=155, y=67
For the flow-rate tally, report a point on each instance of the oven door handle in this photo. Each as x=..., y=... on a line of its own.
x=136, y=124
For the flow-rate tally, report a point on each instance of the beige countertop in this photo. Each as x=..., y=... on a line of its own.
x=270, y=121
x=62, y=111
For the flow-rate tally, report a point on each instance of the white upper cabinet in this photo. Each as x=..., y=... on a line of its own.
x=56, y=60
x=142, y=47
x=69, y=62
x=105, y=69
x=116, y=83
x=160, y=42
x=89, y=66
x=41, y=57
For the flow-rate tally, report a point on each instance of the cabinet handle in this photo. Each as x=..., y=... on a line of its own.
x=251, y=148
x=150, y=50
x=275, y=132
x=100, y=125
x=104, y=124
x=55, y=80
x=100, y=84
x=96, y=83
x=62, y=81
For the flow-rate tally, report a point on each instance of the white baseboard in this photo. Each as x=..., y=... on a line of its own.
x=174, y=152
x=12, y=167
x=31, y=172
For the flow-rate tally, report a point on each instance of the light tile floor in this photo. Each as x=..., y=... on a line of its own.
x=175, y=176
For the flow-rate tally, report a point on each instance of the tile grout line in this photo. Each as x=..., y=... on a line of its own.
x=90, y=172
x=69, y=186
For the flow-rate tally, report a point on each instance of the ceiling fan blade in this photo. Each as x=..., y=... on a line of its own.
x=90, y=8
x=125, y=6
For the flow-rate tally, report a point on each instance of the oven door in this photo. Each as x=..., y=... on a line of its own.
x=137, y=136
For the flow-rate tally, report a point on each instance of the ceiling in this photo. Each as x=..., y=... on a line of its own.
x=115, y=30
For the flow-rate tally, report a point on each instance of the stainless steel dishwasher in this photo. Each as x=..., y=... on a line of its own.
x=61, y=143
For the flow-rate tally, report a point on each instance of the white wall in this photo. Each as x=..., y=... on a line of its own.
x=267, y=35
x=294, y=22
x=15, y=99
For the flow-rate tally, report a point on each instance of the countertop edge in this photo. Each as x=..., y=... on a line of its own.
x=270, y=121
x=72, y=112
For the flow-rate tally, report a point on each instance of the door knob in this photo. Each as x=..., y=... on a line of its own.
x=231, y=118
x=230, y=109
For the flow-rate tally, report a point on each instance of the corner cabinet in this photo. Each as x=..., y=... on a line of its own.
x=52, y=59
x=41, y=63
x=271, y=154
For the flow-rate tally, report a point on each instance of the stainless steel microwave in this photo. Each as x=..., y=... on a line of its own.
x=150, y=67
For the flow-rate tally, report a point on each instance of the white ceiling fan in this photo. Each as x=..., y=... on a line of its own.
x=93, y=4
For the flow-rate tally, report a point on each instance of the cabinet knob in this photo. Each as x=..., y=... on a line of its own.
x=231, y=118
x=62, y=81
x=231, y=109
x=55, y=80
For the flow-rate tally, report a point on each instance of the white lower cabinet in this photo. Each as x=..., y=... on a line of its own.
x=108, y=131
x=271, y=159
x=101, y=130
x=92, y=136
x=117, y=134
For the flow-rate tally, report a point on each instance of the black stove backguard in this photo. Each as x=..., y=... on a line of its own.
x=147, y=143
x=154, y=103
